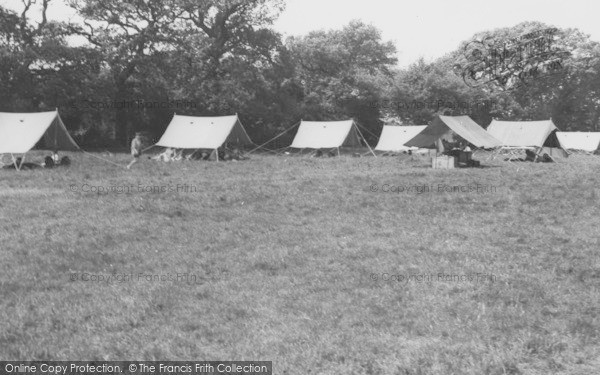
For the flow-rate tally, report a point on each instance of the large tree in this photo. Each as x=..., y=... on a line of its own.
x=127, y=33
x=200, y=53
x=536, y=71
x=343, y=72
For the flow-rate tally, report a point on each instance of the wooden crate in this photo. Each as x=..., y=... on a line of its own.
x=443, y=162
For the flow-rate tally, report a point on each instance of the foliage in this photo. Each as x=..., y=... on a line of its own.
x=143, y=60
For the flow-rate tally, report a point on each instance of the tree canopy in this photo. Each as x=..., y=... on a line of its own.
x=143, y=60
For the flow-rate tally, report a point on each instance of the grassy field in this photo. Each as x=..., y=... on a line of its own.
x=323, y=266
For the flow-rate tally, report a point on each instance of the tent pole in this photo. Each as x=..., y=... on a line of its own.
x=365, y=129
x=274, y=138
x=217, y=154
x=338, y=150
x=363, y=137
x=14, y=161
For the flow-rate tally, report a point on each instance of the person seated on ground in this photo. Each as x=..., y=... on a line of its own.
x=529, y=155
x=48, y=162
x=166, y=156
x=235, y=154
x=55, y=157
x=178, y=156
x=192, y=156
x=239, y=155
x=226, y=155
x=65, y=161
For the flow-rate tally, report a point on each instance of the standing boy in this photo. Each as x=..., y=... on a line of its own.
x=136, y=149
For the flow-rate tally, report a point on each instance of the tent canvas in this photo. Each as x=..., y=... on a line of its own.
x=191, y=132
x=522, y=133
x=326, y=134
x=393, y=137
x=20, y=132
x=463, y=126
x=579, y=141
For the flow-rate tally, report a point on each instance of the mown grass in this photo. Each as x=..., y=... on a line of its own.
x=285, y=252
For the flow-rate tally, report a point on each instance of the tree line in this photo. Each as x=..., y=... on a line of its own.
x=127, y=65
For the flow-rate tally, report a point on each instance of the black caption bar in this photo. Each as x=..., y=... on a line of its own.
x=136, y=368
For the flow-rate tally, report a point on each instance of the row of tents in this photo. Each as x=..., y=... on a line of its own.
x=20, y=132
x=499, y=134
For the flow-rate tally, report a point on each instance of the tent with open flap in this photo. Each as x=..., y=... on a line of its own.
x=193, y=132
x=443, y=127
x=537, y=136
x=21, y=132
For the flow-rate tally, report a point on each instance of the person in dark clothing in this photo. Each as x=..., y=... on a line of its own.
x=48, y=162
x=65, y=161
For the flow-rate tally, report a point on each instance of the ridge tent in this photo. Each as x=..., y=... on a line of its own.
x=328, y=134
x=393, y=137
x=20, y=132
x=193, y=132
x=442, y=127
x=533, y=135
x=522, y=133
x=587, y=142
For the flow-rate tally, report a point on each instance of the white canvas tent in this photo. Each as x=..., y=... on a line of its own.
x=326, y=134
x=587, y=142
x=444, y=127
x=522, y=133
x=191, y=132
x=393, y=137
x=538, y=136
x=20, y=132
